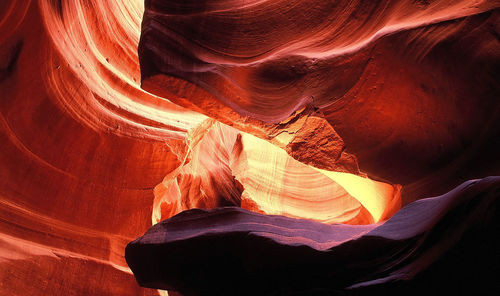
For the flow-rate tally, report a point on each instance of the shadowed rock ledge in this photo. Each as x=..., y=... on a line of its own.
x=438, y=245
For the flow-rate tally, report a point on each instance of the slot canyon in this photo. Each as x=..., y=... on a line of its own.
x=249, y=147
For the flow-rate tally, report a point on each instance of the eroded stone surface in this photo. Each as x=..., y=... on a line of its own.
x=230, y=250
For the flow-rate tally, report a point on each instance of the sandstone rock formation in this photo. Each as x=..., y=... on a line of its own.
x=78, y=162
x=410, y=86
x=115, y=115
x=230, y=251
x=224, y=167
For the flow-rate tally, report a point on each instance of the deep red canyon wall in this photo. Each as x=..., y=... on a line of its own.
x=319, y=110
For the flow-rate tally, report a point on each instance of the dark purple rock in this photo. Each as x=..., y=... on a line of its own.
x=436, y=245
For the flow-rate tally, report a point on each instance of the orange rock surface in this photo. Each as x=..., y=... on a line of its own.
x=80, y=152
x=225, y=167
x=318, y=110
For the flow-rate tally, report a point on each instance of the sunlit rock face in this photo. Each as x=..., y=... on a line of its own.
x=116, y=115
x=224, y=167
x=82, y=146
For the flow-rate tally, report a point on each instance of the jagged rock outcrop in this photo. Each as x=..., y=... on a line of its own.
x=223, y=167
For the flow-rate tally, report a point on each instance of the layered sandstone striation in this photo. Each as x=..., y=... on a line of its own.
x=82, y=147
x=409, y=86
x=225, y=167
x=116, y=115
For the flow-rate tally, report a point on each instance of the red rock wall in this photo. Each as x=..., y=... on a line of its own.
x=409, y=86
x=76, y=175
x=403, y=92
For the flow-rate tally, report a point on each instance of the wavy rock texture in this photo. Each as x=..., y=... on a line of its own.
x=230, y=251
x=225, y=167
x=82, y=146
x=410, y=86
x=318, y=110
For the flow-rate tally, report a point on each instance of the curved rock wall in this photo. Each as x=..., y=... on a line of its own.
x=319, y=109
